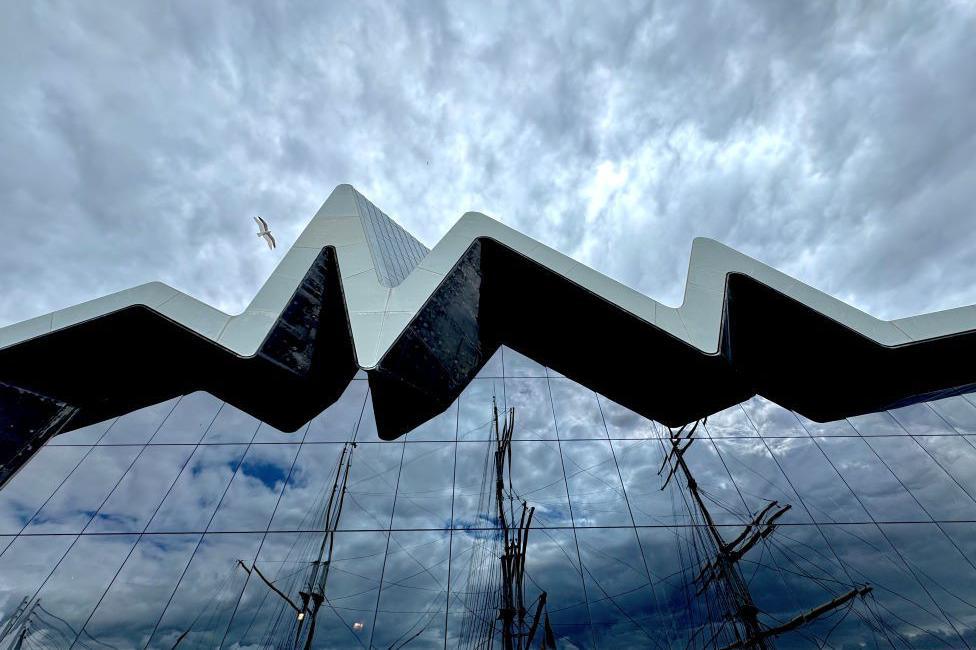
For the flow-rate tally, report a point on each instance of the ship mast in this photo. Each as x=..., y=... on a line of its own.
x=312, y=594
x=518, y=631
x=722, y=571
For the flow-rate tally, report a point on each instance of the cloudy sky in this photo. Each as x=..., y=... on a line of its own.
x=833, y=142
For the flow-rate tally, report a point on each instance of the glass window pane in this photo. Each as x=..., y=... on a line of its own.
x=269, y=434
x=935, y=490
x=139, y=426
x=793, y=571
x=922, y=420
x=135, y=499
x=309, y=487
x=253, y=493
x=621, y=601
x=537, y=477
x=426, y=484
x=553, y=563
x=867, y=553
x=770, y=420
x=30, y=487
x=199, y=488
x=338, y=422
x=71, y=593
x=714, y=483
x=474, y=486
x=84, y=436
x=871, y=482
x=231, y=425
x=639, y=461
x=957, y=457
x=263, y=618
x=963, y=536
x=475, y=408
x=442, y=426
x=938, y=565
x=824, y=429
x=372, y=486
x=959, y=412
x=493, y=367
x=25, y=564
x=877, y=424
x=471, y=555
x=757, y=476
x=578, y=414
x=413, y=599
x=204, y=602
x=623, y=423
x=733, y=422
x=353, y=588
x=534, y=419
x=189, y=420
x=71, y=508
x=820, y=487
x=594, y=487
x=127, y=614
x=664, y=552
x=519, y=365
x=552, y=373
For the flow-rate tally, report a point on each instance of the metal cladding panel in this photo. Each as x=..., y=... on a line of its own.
x=394, y=250
x=422, y=323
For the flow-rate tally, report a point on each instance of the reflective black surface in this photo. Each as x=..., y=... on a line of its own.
x=129, y=532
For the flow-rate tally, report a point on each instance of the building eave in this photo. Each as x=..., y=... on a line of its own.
x=326, y=311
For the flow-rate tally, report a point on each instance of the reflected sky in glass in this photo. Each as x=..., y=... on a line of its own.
x=190, y=420
x=34, y=484
x=146, y=530
x=79, y=497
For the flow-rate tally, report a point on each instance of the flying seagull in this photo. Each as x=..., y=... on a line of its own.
x=264, y=233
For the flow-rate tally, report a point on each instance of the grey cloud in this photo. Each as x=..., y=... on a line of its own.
x=832, y=141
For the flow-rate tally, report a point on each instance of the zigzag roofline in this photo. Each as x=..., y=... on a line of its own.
x=742, y=328
x=339, y=223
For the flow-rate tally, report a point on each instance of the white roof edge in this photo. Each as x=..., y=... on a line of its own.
x=378, y=314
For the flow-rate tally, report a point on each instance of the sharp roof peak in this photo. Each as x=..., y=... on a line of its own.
x=420, y=322
x=403, y=272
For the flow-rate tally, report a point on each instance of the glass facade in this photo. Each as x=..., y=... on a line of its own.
x=140, y=531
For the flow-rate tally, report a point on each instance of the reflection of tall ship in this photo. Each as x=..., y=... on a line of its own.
x=717, y=604
x=292, y=619
x=730, y=618
x=495, y=607
x=497, y=614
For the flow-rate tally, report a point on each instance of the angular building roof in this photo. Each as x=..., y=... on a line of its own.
x=356, y=291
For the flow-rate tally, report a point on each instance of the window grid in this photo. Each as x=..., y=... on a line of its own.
x=742, y=453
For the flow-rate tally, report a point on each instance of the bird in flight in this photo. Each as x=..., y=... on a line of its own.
x=264, y=233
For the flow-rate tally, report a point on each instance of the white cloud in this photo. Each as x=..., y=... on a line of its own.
x=833, y=142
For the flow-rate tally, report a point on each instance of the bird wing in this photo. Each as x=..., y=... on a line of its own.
x=271, y=241
x=262, y=224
